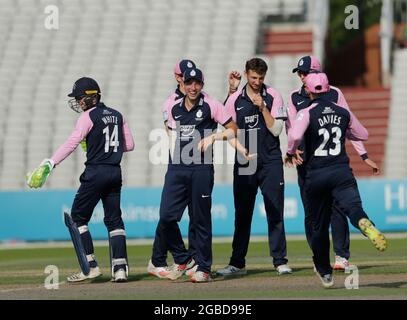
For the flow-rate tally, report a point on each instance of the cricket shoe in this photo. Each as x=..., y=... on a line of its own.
x=120, y=276
x=200, y=276
x=160, y=272
x=283, y=269
x=341, y=263
x=230, y=270
x=374, y=235
x=78, y=277
x=191, y=271
x=176, y=271
x=327, y=280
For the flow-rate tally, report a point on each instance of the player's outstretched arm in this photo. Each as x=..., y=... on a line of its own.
x=356, y=131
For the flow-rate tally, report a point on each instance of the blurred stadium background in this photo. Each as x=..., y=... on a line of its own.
x=131, y=46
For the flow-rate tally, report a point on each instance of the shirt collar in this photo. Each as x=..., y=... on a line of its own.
x=198, y=104
x=263, y=91
x=179, y=93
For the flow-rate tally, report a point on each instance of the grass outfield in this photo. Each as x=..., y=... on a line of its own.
x=382, y=275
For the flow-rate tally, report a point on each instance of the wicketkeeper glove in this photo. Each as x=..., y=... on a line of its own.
x=83, y=145
x=37, y=178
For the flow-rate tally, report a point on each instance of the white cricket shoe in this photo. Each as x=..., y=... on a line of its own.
x=191, y=264
x=230, y=270
x=283, y=269
x=176, y=271
x=327, y=280
x=191, y=271
x=160, y=272
x=120, y=276
x=200, y=276
x=341, y=263
x=78, y=277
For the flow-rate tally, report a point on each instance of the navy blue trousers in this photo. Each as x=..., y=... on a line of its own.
x=270, y=179
x=160, y=247
x=323, y=187
x=99, y=182
x=339, y=222
x=188, y=187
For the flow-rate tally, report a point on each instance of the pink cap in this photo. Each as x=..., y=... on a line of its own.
x=317, y=82
x=315, y=64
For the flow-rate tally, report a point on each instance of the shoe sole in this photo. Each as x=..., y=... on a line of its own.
x=237, y=273
x=82, y=280
x=198, y=281
x=157, y=275
x=375, y=236
x=324, y=284
x=283, y=273
x=121, y=280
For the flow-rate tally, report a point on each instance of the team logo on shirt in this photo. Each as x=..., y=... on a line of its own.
x=199, y=115
x=252, y=121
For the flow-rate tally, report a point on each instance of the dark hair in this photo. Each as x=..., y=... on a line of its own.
x=257, y=65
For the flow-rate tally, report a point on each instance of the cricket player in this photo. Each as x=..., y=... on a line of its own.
x=192, y=121
x=259, y=112
x=157, y=265
x=324, y=126
x=107, y=136
x=299, y=100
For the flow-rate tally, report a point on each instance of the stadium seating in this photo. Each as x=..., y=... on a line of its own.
x=130, y=47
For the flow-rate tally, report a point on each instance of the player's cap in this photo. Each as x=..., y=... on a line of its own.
x=193, y=73
x=317, y=82
x=183, y=65
x=84, y=86
x=307, y=64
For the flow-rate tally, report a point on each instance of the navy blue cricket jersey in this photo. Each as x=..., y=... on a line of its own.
x=249, y=118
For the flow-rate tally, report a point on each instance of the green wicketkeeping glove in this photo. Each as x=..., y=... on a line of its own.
x=37, y=178
x=83, y=145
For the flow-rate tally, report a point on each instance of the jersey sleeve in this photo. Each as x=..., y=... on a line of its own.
x=219, y=113
x=291, y=113
x=128, y=137
x=230, y=105
x=356, y=131
x=166, y=107
x=341, y=100
x=357, y=145
x=82, y=128
x=297, y=132
x=278, y=109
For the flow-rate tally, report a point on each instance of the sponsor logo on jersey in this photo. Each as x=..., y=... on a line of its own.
x=252, y=121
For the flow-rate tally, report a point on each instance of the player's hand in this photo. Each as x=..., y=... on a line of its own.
x=259, y=102
x=373, y=165
x=288, y=162
x=249, y=156
x=37, y=178
x=234, y=80
x=83, y=145
x=298, y=159
x=205, y=143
